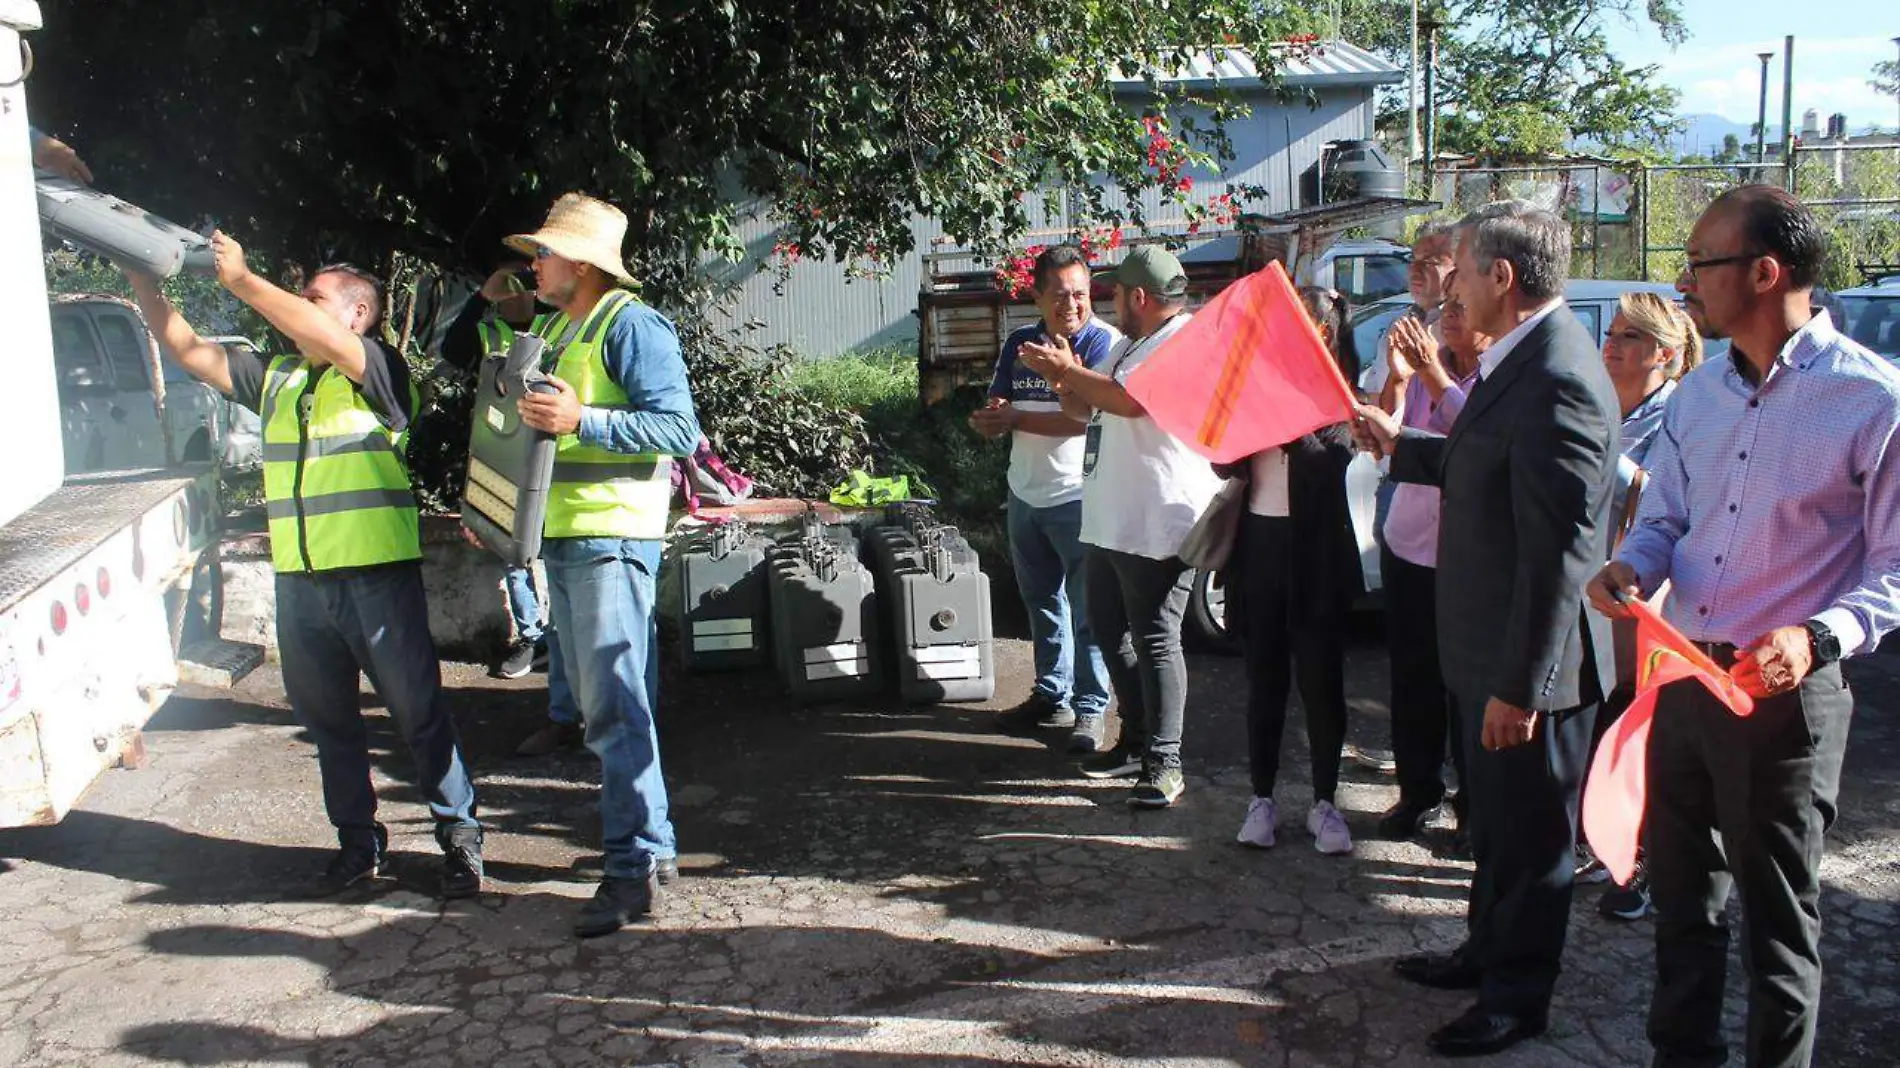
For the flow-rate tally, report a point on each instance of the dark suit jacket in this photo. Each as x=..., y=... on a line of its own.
x=1324, y=576
x=1526, y=474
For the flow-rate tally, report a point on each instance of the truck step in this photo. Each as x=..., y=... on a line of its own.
x=217, y=662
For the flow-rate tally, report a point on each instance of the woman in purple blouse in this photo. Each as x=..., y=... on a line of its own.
x=1436, y=367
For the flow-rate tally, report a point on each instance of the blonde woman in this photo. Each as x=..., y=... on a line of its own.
x=1652, y=344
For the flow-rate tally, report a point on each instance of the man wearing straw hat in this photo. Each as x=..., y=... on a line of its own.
x=622, y=410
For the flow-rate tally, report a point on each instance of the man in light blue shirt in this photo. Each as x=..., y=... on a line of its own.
x=1773, y=508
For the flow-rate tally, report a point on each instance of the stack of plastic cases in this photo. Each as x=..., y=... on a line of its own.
x=723, y=603
x=510, y=464
x=824, y=615
x=936, y=608
x=102, y=223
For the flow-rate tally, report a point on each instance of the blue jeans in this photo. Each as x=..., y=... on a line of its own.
x=600, y=600
x=525, y=606
x=373, y=620
x=1045, y=547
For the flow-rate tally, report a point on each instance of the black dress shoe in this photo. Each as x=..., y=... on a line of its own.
x=1404, y=819
x=1440, y=971
x=1480, y=1032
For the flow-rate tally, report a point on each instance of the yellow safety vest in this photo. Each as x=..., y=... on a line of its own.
x=336, y=487
x=598, y=493
x=497, y=336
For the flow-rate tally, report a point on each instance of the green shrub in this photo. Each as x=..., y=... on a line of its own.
x=858, y=381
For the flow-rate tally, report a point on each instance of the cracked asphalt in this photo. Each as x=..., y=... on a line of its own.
x=861, y=886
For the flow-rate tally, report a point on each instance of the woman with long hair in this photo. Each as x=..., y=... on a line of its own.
x=1291, y=582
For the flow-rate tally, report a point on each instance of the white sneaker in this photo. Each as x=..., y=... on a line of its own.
x=1257, y=831
x=1328, y=829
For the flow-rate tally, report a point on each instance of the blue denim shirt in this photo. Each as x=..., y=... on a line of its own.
x=1639, y=433
x=642, y=354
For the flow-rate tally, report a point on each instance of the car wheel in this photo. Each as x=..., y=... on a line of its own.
x=1207, y=614
x=198, y=449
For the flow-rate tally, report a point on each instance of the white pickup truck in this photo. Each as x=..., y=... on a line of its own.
x=99, y=572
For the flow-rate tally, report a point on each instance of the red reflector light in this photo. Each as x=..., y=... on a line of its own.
x=59, y=619
x=82, y=600
x=104, y=583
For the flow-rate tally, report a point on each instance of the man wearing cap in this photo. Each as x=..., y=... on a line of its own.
x=343, y=541
x=622, y=410
x=1142, y=491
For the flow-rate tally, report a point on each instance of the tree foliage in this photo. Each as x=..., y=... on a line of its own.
x=1519, y=78
x=1886, y=77
x=363, y=128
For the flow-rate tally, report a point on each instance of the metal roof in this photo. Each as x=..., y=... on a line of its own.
x=1319, y=65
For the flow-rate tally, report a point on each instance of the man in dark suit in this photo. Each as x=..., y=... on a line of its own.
x=1526, y=474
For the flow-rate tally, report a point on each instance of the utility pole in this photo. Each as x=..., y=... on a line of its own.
x=1761, y=117
x=1411, y=96
x=1430, y=24
x=1787, y=112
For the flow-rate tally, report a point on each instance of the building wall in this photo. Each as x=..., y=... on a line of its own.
x=819, y=310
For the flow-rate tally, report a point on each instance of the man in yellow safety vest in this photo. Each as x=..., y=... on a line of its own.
x=344, y=542
x=622, y=410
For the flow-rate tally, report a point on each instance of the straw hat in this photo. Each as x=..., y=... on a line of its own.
x=582, y=229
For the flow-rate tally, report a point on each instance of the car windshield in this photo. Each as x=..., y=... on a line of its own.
x=1874, y=321
x=1369, y=325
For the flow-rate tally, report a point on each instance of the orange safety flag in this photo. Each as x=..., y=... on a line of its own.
x=1247, y=373
x=1618, y=787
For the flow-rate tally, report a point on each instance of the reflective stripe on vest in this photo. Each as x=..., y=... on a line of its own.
x=336, y=487
x=598, y=493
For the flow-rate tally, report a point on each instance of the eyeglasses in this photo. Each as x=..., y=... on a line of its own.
x=1690, y=267
x=542, y=252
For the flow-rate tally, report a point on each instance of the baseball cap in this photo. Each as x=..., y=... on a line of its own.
x=1148, y=267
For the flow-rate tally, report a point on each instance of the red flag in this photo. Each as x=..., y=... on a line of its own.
x=1247, y=373
x=1618, y=789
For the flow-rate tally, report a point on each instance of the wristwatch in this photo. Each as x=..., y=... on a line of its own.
x=1822, y=643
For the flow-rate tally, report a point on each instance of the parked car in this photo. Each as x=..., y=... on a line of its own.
x=105, y=358
x=1593, y=301
x=1363, y=271
x=1872, y=316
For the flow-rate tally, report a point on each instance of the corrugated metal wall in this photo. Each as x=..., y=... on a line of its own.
x=820, y=311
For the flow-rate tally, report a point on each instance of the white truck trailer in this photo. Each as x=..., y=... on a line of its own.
x=97, y=571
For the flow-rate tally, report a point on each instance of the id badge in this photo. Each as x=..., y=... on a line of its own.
x=1091, y=446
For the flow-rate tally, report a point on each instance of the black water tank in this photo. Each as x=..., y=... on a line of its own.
x=1361, y=169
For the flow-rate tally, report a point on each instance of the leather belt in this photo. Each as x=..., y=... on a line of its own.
x=1723, y=653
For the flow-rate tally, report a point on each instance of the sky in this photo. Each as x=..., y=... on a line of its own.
x=1837, y=42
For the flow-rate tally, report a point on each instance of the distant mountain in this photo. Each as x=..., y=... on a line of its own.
x=1701, y=135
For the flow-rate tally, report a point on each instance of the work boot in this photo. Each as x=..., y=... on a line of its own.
x=550, y=738
x=616, y=903
x=461, y=861
x=1039, y=712
x=360, y=861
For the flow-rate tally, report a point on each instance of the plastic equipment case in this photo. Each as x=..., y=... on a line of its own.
x=510, y=464
x=722, y=598
x=936, y=608
x=824, y=615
